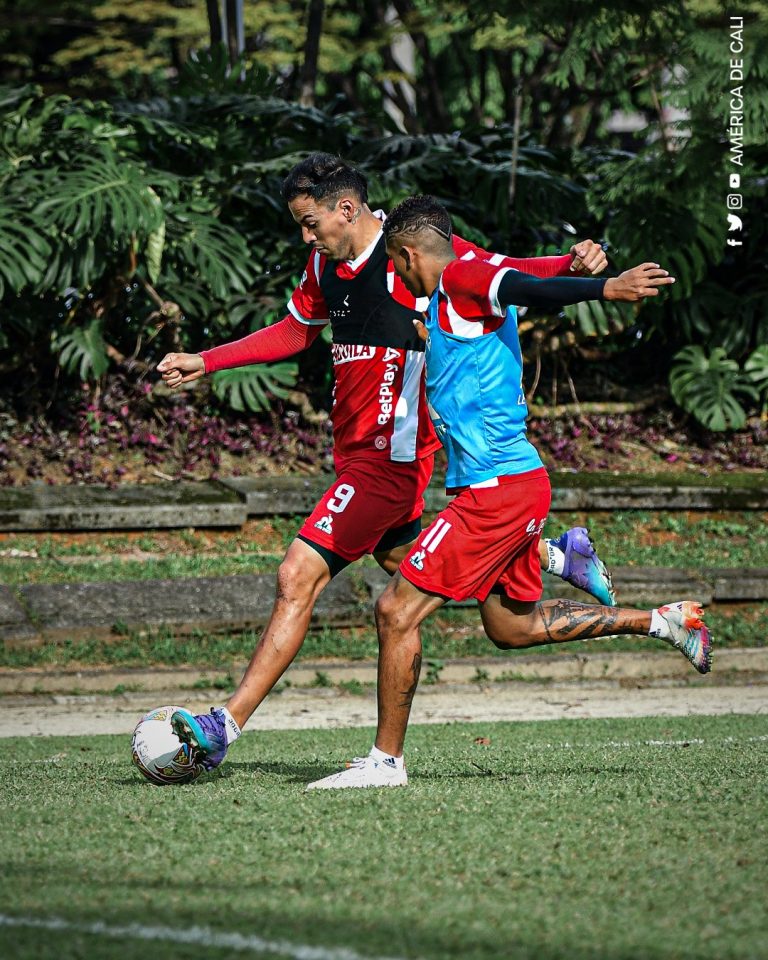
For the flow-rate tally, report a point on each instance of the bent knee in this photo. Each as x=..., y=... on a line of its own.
x=298, y=583
x=498, y=639
x=387, y=608
x=503, y=635
x=395, y=616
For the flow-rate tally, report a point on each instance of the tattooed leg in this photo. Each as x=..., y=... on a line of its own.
x=408, y=694
x=399, y=612
x=511, y=624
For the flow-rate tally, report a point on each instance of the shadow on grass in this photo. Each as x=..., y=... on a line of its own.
x=306, y=772
x=481, y=771
x=298, y=772
x=290, y=772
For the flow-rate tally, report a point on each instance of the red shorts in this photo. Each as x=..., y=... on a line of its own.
x=486, y=537
x=363, y=511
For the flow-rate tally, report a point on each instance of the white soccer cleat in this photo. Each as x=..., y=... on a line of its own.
x=363, y=772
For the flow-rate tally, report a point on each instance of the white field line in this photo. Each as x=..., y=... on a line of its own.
x=197, y=936
x=632, y=744
x=563, y=745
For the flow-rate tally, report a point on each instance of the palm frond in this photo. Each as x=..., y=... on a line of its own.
x=250, y=388
x=83, y=350
x=101, y=192
x=24, y=252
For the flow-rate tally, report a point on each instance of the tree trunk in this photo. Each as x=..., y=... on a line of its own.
x=214, y=22
x=460, y=52
x=518, y=108
x=311, y=52
x=482, y=68
x=436, y=110
x=503, y=60
x=234, y=11
x=400, y=98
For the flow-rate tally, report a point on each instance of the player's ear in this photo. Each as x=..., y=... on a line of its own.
x=349, y=209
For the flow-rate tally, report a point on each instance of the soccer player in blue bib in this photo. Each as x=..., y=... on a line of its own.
x=485, y=543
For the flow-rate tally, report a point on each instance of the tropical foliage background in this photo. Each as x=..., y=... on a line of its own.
x=142, y=147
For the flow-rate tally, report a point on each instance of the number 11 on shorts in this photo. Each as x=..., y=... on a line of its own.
x=434, y=538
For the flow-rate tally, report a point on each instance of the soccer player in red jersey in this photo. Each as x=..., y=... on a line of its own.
x=485, y=543
x=384, y=442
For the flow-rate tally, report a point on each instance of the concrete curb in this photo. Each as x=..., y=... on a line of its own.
x=228, y=502
x=53, y=612
x=128, y=507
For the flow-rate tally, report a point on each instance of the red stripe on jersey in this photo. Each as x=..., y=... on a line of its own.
x=467, y=301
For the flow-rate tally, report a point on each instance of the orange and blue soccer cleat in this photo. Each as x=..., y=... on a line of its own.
x=687, y=632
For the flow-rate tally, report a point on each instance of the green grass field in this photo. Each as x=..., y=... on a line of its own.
x=455, y=633
x=581, y=839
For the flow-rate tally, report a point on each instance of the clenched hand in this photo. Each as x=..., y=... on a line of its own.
x=178, y=368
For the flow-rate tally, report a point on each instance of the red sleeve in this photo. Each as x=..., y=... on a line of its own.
x=472, y=288
x=281, y=340
x=536, y=266
x=308, y=303
x=462, y=247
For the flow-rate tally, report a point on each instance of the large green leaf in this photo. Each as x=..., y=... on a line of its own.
x=756, y=371
x=24, y=252
x=595, y=318
x=101, y=192
x=155, y=243
x=249, y=388
x=83, y=350
x=214, y=251
x=710, y=387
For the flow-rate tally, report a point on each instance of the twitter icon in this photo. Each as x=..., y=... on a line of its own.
x=734, y=222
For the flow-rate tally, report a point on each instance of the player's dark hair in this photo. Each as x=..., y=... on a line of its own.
x=415, y=214
x=325, y=177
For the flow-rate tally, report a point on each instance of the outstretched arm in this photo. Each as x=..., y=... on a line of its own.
x=281, y=340
x=554, y=292
x=584, y=258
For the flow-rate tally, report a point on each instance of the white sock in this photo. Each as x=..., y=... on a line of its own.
x=659, y=626
x=396, y=762
x=555, y=558
x=230, y=725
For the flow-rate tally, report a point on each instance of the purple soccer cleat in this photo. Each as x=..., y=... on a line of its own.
x=205, y=733
x=583, y=568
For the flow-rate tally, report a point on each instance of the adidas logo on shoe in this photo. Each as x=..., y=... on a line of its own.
x=364, y=772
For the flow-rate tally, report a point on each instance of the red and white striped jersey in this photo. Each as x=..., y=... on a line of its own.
x=379, y=407
x=470, y=307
